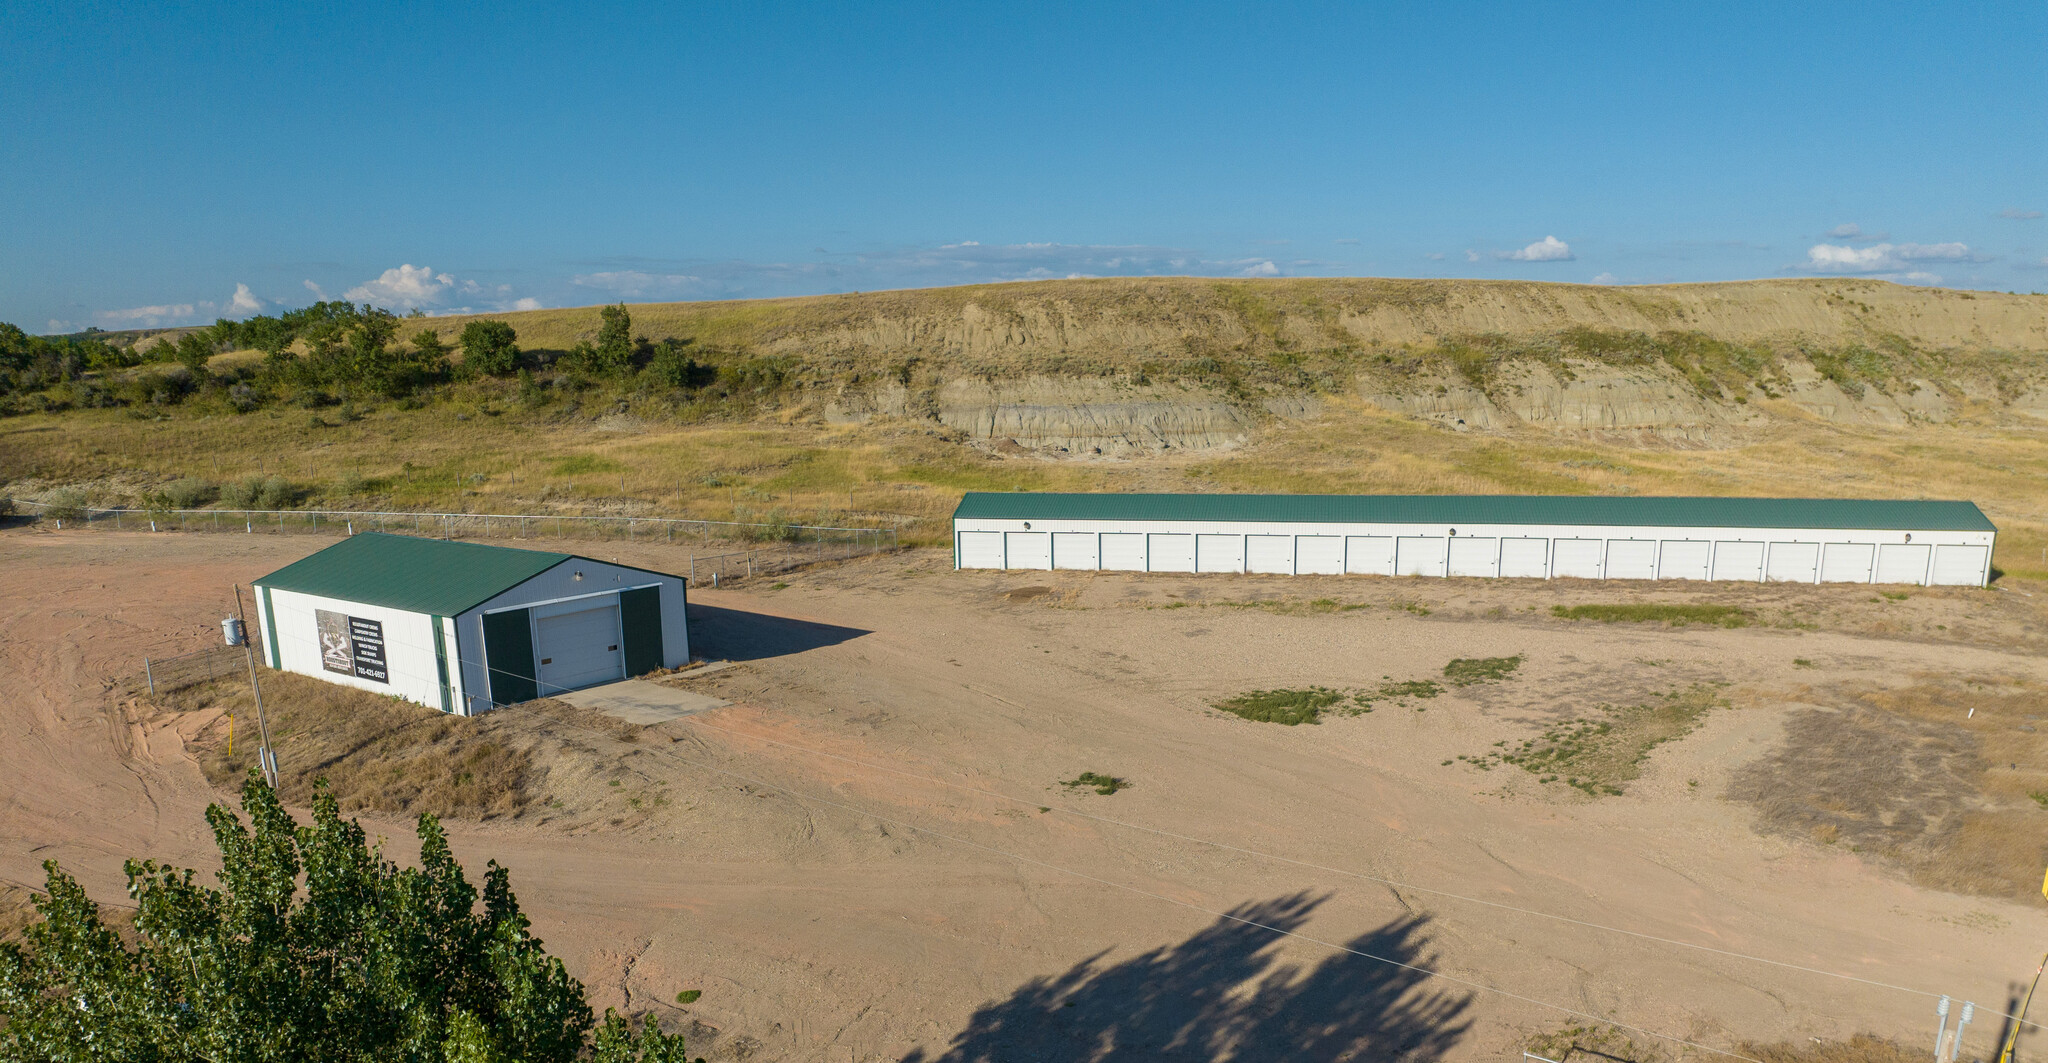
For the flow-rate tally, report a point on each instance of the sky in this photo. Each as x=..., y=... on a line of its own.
x=172, y=163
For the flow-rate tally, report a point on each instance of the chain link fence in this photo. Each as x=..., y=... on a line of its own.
x=165, y=674
x=771, y=546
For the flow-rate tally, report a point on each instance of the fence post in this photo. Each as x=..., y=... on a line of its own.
x=149, y=674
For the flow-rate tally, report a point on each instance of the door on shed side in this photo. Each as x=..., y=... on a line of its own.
x=1027, y=550
x=1576, y=557
x=1739, y=561
x=1319, y=554
x=1369, y=555
x=1847, y=562
x=1123, y=551
x=1219, y=553
x=1529, y=558
x=1075, y=550
x=1793, y=562
x=1270, y=553
x=1685, y=559
x=1631, y=559
x=1419, y=555
x=1475, y=556
x=1169, y=552
x=1902, y=563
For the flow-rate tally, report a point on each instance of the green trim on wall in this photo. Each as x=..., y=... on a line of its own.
x=640, y=616
x=270, y=631
x=508, y=656
x=441, y=661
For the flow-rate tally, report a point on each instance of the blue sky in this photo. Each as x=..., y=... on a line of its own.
x=167, y=163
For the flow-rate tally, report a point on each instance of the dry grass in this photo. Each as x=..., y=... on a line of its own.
x=1599, y=754
x=1608, y=1044
x=377, y=753
x=1860, y=1048
x=1913, y=777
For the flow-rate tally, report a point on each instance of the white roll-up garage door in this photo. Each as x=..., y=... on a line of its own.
x=1169, y=553
x=1685, y=559
x=1074, y=550
x=981, y=549
x=1027, y=550
x=1576, y=557
x=578, y=649
x=1123, y=551
x=1419, y=555
x=1319, y=554
x=1270, y=553
x=1369, y=555
x=1739, y=561
x=1631, y=559
x=1902, y=563
x=1525, y=558
x=1219, y=553
x=1474, y=556
x=1794, y=562
x=1846, y=562
x=1960, y=566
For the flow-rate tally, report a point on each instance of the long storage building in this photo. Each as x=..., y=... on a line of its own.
x=464, y=627
x=1796, y=540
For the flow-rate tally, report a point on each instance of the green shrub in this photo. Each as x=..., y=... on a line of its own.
x=66, y=503
x=1102, y=784
x=262, y=492
x=1466, y=671
x=188, y=493
x=1288, y=707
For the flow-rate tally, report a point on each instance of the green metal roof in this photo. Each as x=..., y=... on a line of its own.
x=1844, y=513
x=416, y=575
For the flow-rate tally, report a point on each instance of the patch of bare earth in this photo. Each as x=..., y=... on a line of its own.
x=1946, y=779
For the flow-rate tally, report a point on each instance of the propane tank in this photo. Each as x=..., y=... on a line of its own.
x=231, y=628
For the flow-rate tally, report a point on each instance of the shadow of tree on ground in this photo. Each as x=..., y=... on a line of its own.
x=1224, y=994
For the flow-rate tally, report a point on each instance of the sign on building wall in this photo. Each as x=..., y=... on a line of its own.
x=351, y=645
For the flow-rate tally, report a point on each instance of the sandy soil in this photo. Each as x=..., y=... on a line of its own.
x=869, y=855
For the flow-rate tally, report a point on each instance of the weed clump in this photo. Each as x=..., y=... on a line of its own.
x=1650, y=613
x=1101, y=784
x=1288, y=707
x=1597, y=755
x=1466, y=671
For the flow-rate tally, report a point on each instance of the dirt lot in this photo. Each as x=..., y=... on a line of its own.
x=870, y=854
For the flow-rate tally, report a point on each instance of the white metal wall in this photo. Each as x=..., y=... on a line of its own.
x=1809, y=555
x=408, y=645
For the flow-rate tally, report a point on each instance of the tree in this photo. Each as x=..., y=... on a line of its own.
x=195, y=349
x=673, y=366
x=614, y=340
x=313, y=947
x=490, y=347
x=432, y=352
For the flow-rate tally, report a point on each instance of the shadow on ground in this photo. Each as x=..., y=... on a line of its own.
x=1224, y=994
x=737, y=635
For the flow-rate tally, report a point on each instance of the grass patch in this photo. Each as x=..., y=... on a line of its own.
x=1288, y=707
x=1466, y=671
x=377, y=753
x=1599, y=755
x=1651, y=613
x=1101, y=784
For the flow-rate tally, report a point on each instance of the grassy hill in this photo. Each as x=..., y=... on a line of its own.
x=884, y=406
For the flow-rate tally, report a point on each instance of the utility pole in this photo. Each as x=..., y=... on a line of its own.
x=2012, y=1039
x=264, y=755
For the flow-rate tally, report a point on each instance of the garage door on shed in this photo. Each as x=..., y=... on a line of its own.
x=981, y=549
x=1027, y=550
x=1960, y=566
x=1902, y=563
x=579, y=648
x=1793, y=563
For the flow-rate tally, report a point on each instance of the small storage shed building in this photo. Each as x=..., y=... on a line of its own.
x=464, y=627
x=1800, y=540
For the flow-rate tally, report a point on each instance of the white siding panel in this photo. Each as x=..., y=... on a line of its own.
x=1320, y=554
x=1794, y=562
x=1631, y=559
x=1166, y=552
x=1369, y=555
x=1123, y=551
x=1474, y=555
x=1902, y=563
x=1847, y=562
x=1576, y=557
x=1527, y=558
x=981, y=549
x=1739, y=561
x=409, y=662
x=1685, y=559
x=1027, y=550
x=1961, y=566
x=1270, y=553
x=1074, y=550
x=1419, y=555
x=1219, y=553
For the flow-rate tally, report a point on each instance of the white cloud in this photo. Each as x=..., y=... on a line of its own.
x=1471, y=255
x=1261, y=269
x=147, y=316
x=1918, y=277
x=244, y=302
x=1853, y=231
x=406, y=286
x=1548, y=249
x=1881, y=258
x=1435, y=256
x=527, y=303
x=54, y=326
x=637, y=282
x=316, y=290
x=2016, y=214
x=1606, y=278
